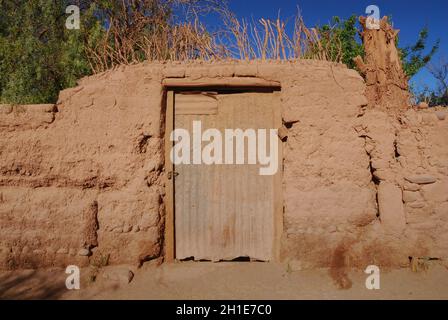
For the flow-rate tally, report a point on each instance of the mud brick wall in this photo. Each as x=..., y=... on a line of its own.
x=84, y=178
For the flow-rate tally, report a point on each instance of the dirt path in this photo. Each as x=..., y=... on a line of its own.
x=229, y=280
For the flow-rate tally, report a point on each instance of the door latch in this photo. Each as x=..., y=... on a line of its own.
x=172, y=174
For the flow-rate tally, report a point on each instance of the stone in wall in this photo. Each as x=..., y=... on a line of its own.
x=390, y=203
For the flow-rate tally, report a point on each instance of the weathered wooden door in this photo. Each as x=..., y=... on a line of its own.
x=225, y=211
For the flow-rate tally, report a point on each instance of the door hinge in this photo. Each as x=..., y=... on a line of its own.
x=172, y=174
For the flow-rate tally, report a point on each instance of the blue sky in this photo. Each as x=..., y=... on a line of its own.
x=408, y=16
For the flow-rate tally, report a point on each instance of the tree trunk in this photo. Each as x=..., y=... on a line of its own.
x=387, y=84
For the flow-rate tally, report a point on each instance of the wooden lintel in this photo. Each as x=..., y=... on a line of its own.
x=227, y=82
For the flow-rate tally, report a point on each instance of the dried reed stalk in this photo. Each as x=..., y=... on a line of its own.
x=154, y=39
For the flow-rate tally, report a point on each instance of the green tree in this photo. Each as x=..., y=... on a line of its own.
x=414, y=57
x=340, y=37
x=38, y=55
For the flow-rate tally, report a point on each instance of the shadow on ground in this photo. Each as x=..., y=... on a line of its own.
x=31, y=284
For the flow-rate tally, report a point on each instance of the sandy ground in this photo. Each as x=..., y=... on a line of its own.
x=225, y=280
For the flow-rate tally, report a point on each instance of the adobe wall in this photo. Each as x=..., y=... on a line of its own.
x=85, y=178
x=369, y=189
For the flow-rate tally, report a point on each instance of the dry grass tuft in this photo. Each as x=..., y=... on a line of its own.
x=154, y=38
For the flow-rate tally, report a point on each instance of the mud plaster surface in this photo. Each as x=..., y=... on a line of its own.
x=84, y=180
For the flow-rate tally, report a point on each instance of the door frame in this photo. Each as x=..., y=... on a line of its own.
x=169, y=199
x=169, y=234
